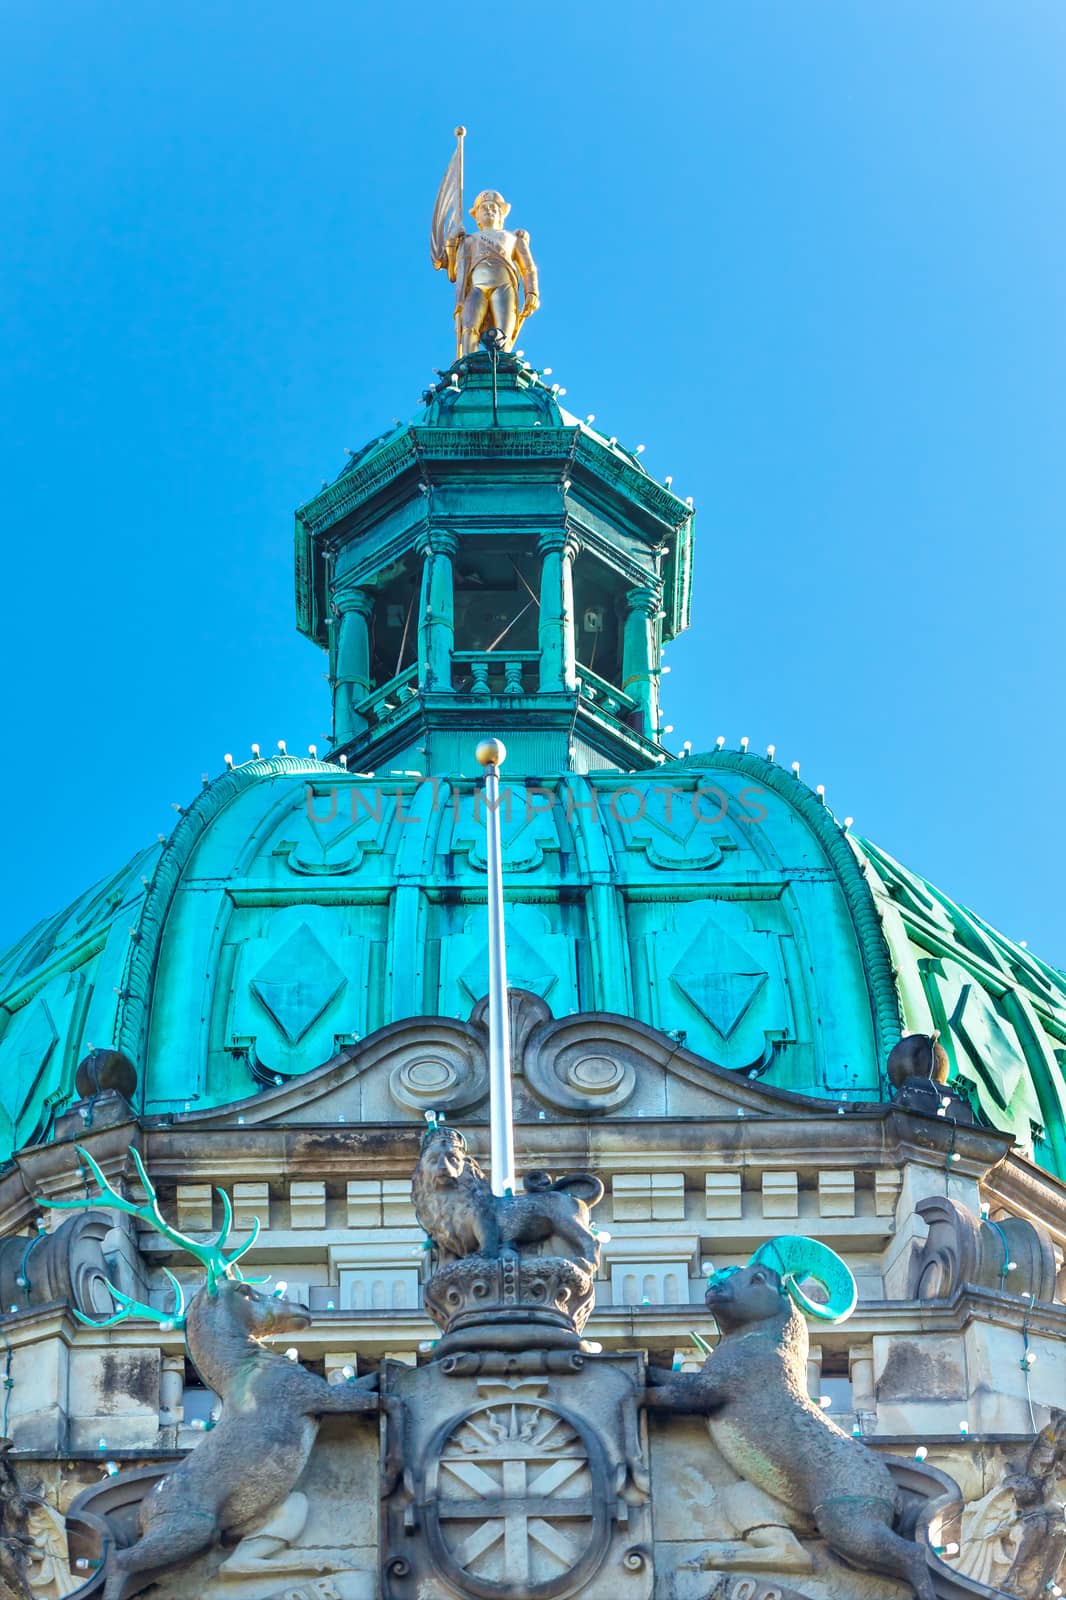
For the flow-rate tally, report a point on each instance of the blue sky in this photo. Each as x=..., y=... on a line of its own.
x=810, y=253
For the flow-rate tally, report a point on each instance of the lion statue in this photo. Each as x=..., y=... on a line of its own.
x=458, y=1210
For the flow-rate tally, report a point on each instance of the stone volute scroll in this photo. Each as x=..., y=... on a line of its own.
x=240, y=1479
x=753, y=1391
x=1011, y=1254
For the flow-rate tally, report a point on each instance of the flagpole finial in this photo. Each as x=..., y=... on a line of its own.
x=491, y=753
x=460, y=132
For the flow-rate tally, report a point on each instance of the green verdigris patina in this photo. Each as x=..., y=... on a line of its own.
x=520, y=577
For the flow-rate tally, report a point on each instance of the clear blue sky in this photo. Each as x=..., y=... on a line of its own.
x=811, y=254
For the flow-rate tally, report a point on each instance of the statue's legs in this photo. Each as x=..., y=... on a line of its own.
x=475, y=316
x=494, y=308
x=855, y=1529
x=505, y=312
x=174, y=1536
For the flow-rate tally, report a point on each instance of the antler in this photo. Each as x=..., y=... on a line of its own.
x=212, y=1256
x=137, y=1308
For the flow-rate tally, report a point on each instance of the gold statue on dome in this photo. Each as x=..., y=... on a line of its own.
x=488, y=268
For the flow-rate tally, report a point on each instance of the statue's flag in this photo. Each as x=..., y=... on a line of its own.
x=448, y=211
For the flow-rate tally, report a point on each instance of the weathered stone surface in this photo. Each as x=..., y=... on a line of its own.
x=923, y=1369
x=326, y=1551
x=1012, y=1254
x=513, y=1303
x=505, y=1474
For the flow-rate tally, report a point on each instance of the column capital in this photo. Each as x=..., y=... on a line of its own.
x=559, y=541
x=437, y=542
x=647, y=598
x=346, y=601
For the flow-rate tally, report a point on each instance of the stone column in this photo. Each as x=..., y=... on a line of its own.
x=814, y=1372
x=640, y=654
x=436, y=623
x=352, y=683
x=171, y=1397
x=861, y=1369
x=555, y=633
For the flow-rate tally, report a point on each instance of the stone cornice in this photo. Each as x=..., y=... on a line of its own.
x=373, y=1333
x=1028, y=1191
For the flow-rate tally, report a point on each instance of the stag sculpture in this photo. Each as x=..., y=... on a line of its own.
x=249, y=1462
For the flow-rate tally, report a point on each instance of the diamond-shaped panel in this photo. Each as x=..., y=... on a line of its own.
x=297, y=982
x=525, y=969
x=27, y=1047
x=719, y=977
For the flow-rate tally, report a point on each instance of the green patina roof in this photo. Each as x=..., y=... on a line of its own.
x=778, y=944
x=297, y=906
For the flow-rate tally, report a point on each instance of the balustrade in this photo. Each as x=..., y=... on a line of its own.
x=494, y=672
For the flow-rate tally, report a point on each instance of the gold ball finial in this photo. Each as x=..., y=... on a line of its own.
x=491, y=753
x=460, y=132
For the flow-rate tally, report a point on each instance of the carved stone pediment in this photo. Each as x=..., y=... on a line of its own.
x=594, y=1063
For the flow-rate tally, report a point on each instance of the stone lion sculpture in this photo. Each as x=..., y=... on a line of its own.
x=457, y=1209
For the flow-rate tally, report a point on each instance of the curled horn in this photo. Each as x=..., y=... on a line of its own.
x=798, y=1260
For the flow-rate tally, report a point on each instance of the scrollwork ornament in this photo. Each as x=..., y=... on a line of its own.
x=440, y=1078
x=636, y=1558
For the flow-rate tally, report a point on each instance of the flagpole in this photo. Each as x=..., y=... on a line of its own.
x=490, y=754
x=460, y=134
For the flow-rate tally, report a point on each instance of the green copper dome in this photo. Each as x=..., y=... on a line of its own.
x=499, y=567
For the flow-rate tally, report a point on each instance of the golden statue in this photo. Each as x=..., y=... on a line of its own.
x=488, y=267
